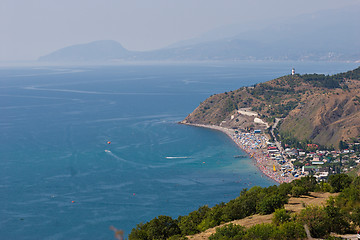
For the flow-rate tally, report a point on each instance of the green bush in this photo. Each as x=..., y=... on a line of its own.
x=189, y=224
x=286, y=231
x=324, y=187
x=261, y=231
x=307, y=182
x=339, y=181
x=228, y=232
x=212, y=218
x=268, y=204
x=178, y=237
x=297, y=191
x=160, y=228
x=338, y=221
x=280, y=216
x=316, y=219
x=355, y=216
x=291, y=230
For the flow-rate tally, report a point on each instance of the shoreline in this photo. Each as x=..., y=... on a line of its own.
x=258, y=156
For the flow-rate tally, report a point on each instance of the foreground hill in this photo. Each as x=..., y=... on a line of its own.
x=325, y=109
x=295, y=205
x=301, y=209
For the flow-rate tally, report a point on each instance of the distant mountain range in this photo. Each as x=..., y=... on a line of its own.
x=332, y=35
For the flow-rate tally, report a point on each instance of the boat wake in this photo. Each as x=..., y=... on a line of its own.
x=177, y=157
x=122, y=159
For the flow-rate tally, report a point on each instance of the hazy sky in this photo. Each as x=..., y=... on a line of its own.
x=32, y=28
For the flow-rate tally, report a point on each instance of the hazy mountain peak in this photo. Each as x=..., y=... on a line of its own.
x=323, y=36
x=102, y=50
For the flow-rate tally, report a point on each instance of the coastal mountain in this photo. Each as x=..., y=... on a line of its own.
x=105, y=50
x=330, y=35
x=324, y=109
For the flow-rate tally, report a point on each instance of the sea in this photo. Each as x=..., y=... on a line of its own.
x=83, y=148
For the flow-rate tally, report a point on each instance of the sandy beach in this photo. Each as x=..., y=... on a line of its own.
x=255, y=146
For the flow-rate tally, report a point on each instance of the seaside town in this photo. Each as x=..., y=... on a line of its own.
x=283, y=163
x=286, y=164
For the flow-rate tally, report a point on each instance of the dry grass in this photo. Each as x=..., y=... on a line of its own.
x=294, y=205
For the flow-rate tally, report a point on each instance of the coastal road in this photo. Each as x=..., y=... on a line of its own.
x=278, y=145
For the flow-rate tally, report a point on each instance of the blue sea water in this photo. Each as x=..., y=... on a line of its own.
x=60, y=179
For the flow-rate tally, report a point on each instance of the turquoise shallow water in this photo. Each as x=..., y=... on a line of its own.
x=55, y=123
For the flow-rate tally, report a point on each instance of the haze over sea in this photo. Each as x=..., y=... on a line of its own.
x=58, y=182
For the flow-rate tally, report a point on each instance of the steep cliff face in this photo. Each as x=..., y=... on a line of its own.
x=325, y=109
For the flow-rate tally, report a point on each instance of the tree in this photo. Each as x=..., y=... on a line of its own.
x=228, y=232
x=261, y=231
x=213, y=217
x=339, y=181
x=355, y=216
x=291, y=230
x=337, y=221
x=308, y=182
x=269, y=203
x=160, y=228
x=297, y=191
x=280, y=216
x=343, y=145
x=189, y=224
x=139, y=233
x=163, y=227
x=316, y=219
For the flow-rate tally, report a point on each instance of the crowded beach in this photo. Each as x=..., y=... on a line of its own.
x=258, y=147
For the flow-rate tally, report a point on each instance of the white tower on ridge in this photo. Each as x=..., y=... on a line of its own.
x=293, y=71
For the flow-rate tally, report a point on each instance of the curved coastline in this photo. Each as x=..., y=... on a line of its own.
x=260, y=159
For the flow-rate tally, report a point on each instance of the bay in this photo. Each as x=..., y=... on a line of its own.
x=59, y=177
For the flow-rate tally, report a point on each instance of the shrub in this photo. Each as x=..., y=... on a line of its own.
x=307, y=182
x=189, y=224
x=228, y=232
x=268, y=204
x=339, y=181
x=316, y=219
x=291, y=230
x=280, y=216
x=297, y=191
x=337, y=219
x=324, y=187
x=161, y=227
x=355, y=216
x=261, y=231
x=212, y=218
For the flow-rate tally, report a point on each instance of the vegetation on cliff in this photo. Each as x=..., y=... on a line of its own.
x=317, y=107
x=340, y=214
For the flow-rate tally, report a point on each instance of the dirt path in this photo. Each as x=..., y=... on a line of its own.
x=294, y=205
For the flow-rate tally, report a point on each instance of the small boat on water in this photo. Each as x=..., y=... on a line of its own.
x=240, y=156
